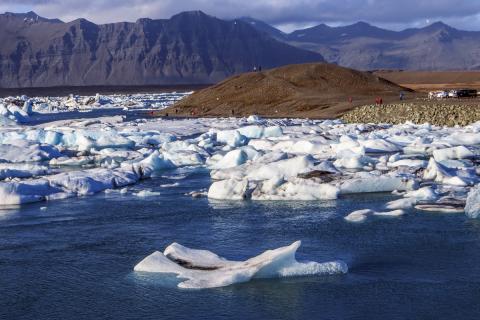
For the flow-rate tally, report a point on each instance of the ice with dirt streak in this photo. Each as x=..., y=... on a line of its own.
x=201, y=269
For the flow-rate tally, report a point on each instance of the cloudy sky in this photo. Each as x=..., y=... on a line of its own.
x=286, y=14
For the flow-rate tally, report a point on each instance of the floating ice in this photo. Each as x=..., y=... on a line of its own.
x=248, y=158
x=296, y=189
x=199, y=269
x=232, y=159
x=472, y=207
x=361, y=215
x=441, y=208
x=369, y=183
x=460, y=152
x=146, y=193
x=441, y=174
x=230, y=189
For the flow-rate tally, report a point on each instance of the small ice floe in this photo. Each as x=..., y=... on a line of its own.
x=175, y=177
x=114, y=191
x=472, y=207
x=440, y=208
x=197, y=194
x=199, y=269
x=146, y=193
x=362, y=215
x=170, y=185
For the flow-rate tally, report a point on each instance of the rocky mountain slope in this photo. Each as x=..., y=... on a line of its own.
x=366, y=47
x=189, y=48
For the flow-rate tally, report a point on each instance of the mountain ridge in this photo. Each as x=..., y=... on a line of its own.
x=189, y=48
x=363, y=46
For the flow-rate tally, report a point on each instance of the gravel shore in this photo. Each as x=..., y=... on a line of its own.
x=438, y=113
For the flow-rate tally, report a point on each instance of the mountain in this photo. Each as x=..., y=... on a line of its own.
x=366, y=47
x=189, y=48
x=265, y=27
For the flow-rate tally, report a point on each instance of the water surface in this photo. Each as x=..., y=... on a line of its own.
x=75, y=259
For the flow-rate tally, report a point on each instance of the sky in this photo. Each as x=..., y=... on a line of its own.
x=288, y=15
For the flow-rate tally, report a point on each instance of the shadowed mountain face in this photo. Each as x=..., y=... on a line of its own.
x=189, y=48
x=365, y=47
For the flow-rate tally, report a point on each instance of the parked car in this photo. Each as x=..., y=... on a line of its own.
x=438, y=94
x=467, y=93
x=453, y=94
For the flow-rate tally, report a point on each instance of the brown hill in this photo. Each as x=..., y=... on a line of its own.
x=316, y=90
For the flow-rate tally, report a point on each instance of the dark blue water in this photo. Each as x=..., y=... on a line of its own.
x=74, y=260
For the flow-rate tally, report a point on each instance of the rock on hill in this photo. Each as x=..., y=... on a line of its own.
x=189, y=48
x=317, y=90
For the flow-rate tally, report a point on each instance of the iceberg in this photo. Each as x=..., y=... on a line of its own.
x=230, y=189
x=459, y=152
x=373, y=183
x=472, y=207
x=362, y=215
x=200, y=269
x=232, y=159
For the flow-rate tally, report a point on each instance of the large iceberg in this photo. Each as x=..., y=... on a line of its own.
x=200, y=269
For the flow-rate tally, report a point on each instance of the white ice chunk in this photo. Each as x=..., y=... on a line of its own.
x=406, y=203
x=295, y=189
x=21, y=170
x=472, y=207
x=378, y=146
x=198, y=269
x=425, y=194
x=355, y=161
x=441, y=174
x=394, y=213
x=283, y=168
x=232, y=159
x=230, y=189
x=358, y=215
x=146, y=193
x=459, y=152
x=361, y=215
x=411, y=163
x=373, y=183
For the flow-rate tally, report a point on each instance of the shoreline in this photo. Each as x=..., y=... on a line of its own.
x=92, y=90
x=439, y=113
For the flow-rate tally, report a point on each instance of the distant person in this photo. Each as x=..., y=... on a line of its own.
x=255, y=69
x=259, y=68
x=402, y=95
x=350, y=100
